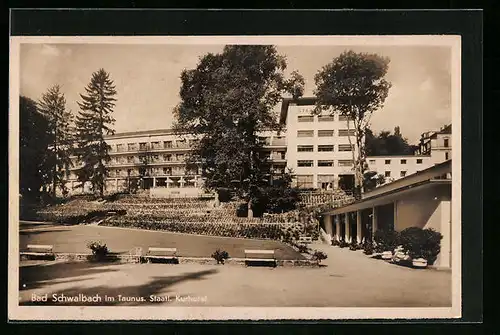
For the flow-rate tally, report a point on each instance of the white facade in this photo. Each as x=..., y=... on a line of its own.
x=395, y=167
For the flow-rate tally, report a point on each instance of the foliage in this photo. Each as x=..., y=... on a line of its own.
x=276, y=198
x=220, y=256
x=34, y=170
x=368, y=247
x=99, y=250
x=353, y=85
x=335, y=242
x=53, y=106
x=319, y=256
x=354, y=245
x=92, y=124
x=421, y=243
x=386, y=240
x=371, y=180
x=303, y=248
x=227, y=100
x=387, y=144
x=343, y=244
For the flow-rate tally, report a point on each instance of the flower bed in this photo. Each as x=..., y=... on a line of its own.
x=261, y=231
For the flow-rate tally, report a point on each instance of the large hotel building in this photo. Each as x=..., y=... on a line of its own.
x=315, y=147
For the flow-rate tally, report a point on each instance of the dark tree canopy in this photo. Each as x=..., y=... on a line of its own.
x=34, y=140
x=387, y=144
x=353, y=85
x=92, y=124
x=226, y=101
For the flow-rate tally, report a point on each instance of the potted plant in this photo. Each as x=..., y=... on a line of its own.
x=368, y=247
x=422, y=245
x=386, y=242
x=319, y=256
x=99, y=250
x=220, y=256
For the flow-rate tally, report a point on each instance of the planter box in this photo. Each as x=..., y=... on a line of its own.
x=419, y=262
x=387, y=255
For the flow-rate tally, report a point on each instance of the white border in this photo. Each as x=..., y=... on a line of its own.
x=16, y=312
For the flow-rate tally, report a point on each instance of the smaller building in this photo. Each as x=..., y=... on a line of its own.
x=422, y=199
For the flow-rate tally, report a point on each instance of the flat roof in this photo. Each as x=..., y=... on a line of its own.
x=423, y=177
x=303, y=101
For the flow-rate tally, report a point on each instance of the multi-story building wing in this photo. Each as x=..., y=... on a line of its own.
x=317, y=149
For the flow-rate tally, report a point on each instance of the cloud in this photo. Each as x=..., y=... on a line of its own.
x=49, y=50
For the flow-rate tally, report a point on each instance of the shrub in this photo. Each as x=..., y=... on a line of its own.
x=421, y=243
x=343, y=244
x=354, y=245
x=99, y=250
x=302, y=248
x=386, y=240
x=335, y=242
x=220, y=256
x=319, y=256
x=368, y=247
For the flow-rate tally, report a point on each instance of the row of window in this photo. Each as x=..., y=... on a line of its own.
x=153, y=145
x=324, y=148
x=402, y=161
x=148, y=172
x=321, y=118
x=324, y=163
x=325, y=133
x=148, y=159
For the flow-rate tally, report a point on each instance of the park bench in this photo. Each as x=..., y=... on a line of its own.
x=39, y=251
x=261, y=256
x=305, y=239
x=161, y=254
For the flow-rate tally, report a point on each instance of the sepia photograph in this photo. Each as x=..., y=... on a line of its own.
x=241, y=177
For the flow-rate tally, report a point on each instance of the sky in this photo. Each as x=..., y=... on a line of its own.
x=147, y=79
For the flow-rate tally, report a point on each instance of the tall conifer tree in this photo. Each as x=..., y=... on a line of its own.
x=92, y=124
x=53, y=106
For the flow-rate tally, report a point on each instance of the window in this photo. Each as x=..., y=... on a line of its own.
x=180, y=143
x=345, y=147
x=119, y=147
x=142, y=146
x=130, y=159
x=325, y=133
x=118, y=172
x=403, y=173
x=167, y=158
x=305, y=181
x=305, y=133
x=387, y=173
x=446, y=143
x=167, y=170
x=156, y=158
x=155, y=145
x=446, y=156
x=344, y=118
x=346, y=132
x=131, y=146
x=419, y=161
x=305, y=148
x=325, y=147
x=304, y=163
x=326, y=118
x=345, y=162
x=180, y=157
x=305, y=118
x=167, y=144
x=387, y=161
x=324, y=163
x=371, y=161
x=403, y=161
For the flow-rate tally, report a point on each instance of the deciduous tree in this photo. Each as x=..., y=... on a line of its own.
x=226, y=101
x=353, y=85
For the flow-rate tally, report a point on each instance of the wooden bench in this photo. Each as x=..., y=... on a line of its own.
x=260, y=256
x=305, y=239
x=39, y=251
x=161, y=253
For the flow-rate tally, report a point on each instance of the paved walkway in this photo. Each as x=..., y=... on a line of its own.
x=74, y=239
x=349, y=279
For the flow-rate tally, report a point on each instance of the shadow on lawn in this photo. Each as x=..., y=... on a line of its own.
x=134, y=295
x=30, y=276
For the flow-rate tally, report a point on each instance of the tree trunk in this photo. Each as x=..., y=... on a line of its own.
x=356, y=176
